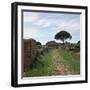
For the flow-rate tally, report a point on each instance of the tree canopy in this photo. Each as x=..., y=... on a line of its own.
x=63, y=35
x=38, y=43
x=78, y=42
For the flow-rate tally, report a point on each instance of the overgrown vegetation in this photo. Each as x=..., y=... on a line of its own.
x=72, y=59
x=52, y=58
x=55, y=62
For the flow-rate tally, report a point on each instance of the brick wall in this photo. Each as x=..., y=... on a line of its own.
x=29, y=53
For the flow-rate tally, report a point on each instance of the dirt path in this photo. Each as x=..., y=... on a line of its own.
x=61, y=68
x=54, y=62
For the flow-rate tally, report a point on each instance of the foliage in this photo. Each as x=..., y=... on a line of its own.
x=72, y=59
x=55, y=62
x=78, y=42
x=63, y=35
x=38, y=43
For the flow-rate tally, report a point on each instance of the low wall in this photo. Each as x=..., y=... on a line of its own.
x=29, y=53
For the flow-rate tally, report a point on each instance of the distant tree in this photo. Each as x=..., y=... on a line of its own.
x=38, y=43
x=52, y=44
x=78, y=42
x=63, y=35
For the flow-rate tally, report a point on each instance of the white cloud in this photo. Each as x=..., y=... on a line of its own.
x=30, y=32
x=71, y=25
x=30, y=17
x=43, y=27
x=43, y=23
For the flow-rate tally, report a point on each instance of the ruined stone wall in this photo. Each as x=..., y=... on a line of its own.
x=29, y=53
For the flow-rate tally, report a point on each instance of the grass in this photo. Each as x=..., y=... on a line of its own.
x=72, y=59
x=55, y=62
x=42, y=67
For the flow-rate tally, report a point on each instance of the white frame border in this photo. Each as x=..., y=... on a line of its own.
x=52, y=78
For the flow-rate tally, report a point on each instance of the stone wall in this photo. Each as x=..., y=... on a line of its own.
x=29, y=53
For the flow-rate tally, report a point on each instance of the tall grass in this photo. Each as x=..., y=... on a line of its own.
x=72, y=59
x=43, y=66
x=47, y=63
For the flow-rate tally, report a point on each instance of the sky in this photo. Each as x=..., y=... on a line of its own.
x=43, y=26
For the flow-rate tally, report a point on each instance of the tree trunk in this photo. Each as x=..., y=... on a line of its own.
x=63, y=42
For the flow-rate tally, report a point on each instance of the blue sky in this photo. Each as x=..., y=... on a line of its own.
x=43, y=26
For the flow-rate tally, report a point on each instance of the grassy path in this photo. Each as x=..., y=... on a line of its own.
x=55, y=62
x=61, y=67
